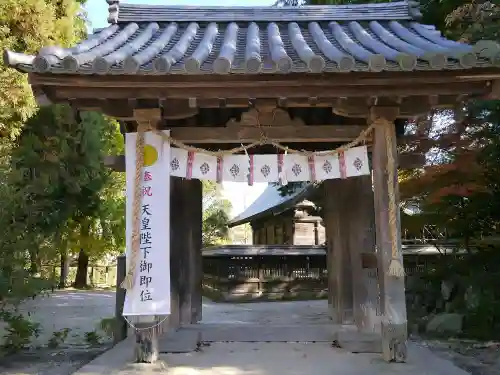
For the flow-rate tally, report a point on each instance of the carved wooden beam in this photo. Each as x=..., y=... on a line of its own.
x=270, y=117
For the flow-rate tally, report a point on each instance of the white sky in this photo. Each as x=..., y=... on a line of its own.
x=241, y=195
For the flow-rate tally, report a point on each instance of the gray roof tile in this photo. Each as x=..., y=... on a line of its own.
x=182, y=40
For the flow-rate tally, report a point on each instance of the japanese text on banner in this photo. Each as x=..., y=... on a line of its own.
x=151, y=292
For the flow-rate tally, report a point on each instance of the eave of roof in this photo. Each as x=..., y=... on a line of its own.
x=270, y=202
x=144, y=39
x=253, y=250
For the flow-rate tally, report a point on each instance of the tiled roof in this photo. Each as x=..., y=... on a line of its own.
x=181, y=40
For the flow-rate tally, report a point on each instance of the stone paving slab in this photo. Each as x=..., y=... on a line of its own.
x=188, y=338
x=252, y=333
x=279, y=358
x=180, y=341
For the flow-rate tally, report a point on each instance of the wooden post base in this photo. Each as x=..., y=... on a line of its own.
x=394, y=340
x=121, y=326
x=146, y=343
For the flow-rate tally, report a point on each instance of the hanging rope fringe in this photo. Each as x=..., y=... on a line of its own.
x=396, y=268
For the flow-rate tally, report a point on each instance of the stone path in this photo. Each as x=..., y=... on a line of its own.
x=270, y=313
x=82, y=311
x=268, y=358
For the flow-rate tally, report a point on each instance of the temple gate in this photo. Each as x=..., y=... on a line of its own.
x=311, y=78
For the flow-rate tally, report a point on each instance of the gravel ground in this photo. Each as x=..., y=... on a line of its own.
x=472, y=356
x=82, y=311
x=79, y=311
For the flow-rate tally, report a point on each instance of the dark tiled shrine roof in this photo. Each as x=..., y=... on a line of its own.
x=144, y=39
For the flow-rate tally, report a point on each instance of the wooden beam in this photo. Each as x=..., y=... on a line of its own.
x=237, y=80
x=266, y=90
x=393, y=300
x=283, y=134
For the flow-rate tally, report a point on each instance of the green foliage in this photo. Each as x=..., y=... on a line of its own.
x=108, y=326
x=26, y=26
x=58, y=338
x=56, y=196
x=19, y=331
x=93, y=338
x=215, y=215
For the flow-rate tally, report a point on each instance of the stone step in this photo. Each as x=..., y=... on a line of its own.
x=189, y=338
x=359, y=342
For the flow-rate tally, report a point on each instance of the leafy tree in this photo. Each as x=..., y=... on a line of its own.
x=26, y=26
x=58, y=168
x=215, y=215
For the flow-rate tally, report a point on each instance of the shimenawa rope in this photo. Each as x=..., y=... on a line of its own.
x=395, y=269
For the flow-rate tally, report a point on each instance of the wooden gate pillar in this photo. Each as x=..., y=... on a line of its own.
x=194, y=216
x=388, y=235
x=360, y=241
x=185, y=250
x=340, y=296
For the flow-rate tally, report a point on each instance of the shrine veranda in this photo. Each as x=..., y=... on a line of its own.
x=270, y=95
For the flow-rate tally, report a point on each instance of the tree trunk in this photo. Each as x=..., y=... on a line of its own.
x=82, y=270
x=34, y=266
x=64, y=263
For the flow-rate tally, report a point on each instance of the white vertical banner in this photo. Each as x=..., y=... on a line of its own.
x=151, y=292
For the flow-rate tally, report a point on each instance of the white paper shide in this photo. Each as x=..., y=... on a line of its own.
x=151, y=292
x=269, y=168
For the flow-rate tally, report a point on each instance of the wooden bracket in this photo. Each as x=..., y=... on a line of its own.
x=40, y=97
x=495, y=89
x=147, y=115
x=388, y=113
x=266, y=116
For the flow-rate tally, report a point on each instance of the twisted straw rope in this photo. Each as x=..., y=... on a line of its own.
x=129, y=280
x=396, y=268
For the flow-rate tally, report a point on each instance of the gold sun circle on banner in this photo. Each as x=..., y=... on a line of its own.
x=150, y=155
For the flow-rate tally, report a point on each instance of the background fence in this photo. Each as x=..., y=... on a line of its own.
x=97, y=275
